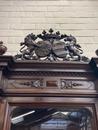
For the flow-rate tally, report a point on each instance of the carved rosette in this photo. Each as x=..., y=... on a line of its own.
x=50, y=46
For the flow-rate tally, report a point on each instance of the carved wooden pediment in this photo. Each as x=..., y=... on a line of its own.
x=50, y=46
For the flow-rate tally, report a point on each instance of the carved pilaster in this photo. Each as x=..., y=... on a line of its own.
x=4, y=63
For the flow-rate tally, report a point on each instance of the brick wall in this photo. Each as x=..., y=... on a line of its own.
x=77, y=17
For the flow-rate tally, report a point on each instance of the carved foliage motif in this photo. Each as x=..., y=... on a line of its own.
x=50, y=46
x=37, y=83
x=60, y=84
x=69, y=84
x=34, y=83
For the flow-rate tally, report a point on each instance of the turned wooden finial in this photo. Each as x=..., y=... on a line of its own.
x=3, y=48
x=96, y=52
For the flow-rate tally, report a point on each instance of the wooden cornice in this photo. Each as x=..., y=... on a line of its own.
x=11, y=67
x=54, y=66
x=19, y=70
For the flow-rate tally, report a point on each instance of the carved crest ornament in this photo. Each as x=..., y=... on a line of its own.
x=50, y=46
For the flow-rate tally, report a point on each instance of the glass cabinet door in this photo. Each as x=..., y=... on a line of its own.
x=52, y=118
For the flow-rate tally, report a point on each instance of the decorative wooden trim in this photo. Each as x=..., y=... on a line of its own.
x=70, y=71
x=52, y=46
x=49, y=93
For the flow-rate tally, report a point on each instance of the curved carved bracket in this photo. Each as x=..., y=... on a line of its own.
x=50, y=46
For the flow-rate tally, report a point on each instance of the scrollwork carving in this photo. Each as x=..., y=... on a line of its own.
x=36, y=83
x=51, y=46
x=53, y=84
x=69, y=84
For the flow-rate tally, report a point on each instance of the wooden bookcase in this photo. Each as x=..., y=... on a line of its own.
x=47, y=84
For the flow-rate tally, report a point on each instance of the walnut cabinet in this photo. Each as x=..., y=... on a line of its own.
x=48, y=95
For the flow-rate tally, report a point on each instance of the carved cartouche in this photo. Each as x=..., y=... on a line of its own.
x=3, y=48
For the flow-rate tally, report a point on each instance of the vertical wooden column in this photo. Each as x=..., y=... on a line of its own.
x=4, y=115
